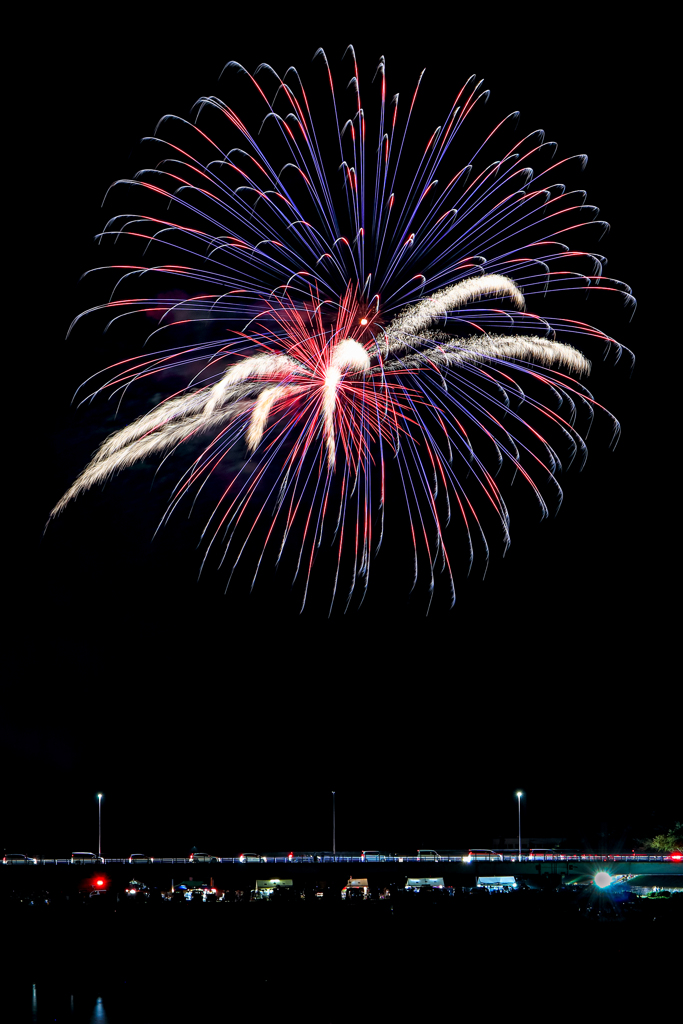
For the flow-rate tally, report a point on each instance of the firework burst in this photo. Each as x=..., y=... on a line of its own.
x=348, y=310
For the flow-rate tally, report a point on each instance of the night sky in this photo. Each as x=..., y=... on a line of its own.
x=223, y=721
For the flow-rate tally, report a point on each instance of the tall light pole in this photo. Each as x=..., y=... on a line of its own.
x=519, y=821
x=334, y=827
x=99, y=819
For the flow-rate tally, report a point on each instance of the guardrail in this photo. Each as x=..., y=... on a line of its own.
x=328, y=858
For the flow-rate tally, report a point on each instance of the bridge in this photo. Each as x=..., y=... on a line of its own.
x=456, y=868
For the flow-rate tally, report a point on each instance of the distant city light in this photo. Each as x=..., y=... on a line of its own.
x=602, y=879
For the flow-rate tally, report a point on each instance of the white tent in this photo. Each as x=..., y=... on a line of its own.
x=424, y=883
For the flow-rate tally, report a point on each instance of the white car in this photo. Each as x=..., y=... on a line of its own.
x=482, y=855
x=18, y=858
x=83, y=857
x=251, y=858
x=204, y=858
x=140, y=858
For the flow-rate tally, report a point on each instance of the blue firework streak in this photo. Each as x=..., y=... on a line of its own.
x=351, y=303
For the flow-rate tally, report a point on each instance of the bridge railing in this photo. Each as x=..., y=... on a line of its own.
x=328, y=858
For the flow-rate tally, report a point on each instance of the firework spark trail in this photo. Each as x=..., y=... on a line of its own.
x=425, y=313
x=496, y=349
x=352, y=332
x=114, y=456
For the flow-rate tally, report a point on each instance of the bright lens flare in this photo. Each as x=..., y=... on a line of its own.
x=602, y=879
x=350, y=326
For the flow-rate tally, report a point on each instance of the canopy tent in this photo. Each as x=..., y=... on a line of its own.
x=497, y=881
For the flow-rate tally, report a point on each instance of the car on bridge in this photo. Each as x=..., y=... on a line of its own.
x=140, y=858
x=252, y=858
x=18, y=858
x=84, y=857
x=482, y=855
x=428, y=855
x=204, y=858
x=373, y=856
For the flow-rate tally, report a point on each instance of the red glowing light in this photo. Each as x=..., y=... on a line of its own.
x=100, y=881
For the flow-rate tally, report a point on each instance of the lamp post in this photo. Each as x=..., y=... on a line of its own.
x=99, y=820
x=519, y=822
x=334, y=827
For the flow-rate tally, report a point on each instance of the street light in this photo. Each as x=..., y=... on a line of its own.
x=518, y=794
x=334, y=827
x=99, y=818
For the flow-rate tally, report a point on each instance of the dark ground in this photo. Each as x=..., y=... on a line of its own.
x=326, y=961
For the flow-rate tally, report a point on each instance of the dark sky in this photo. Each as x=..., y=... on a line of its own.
x=226, y=720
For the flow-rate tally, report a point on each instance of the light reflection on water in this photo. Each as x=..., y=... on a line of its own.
x=150, y=1001
x=53, y=1002
x=98, y=1014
